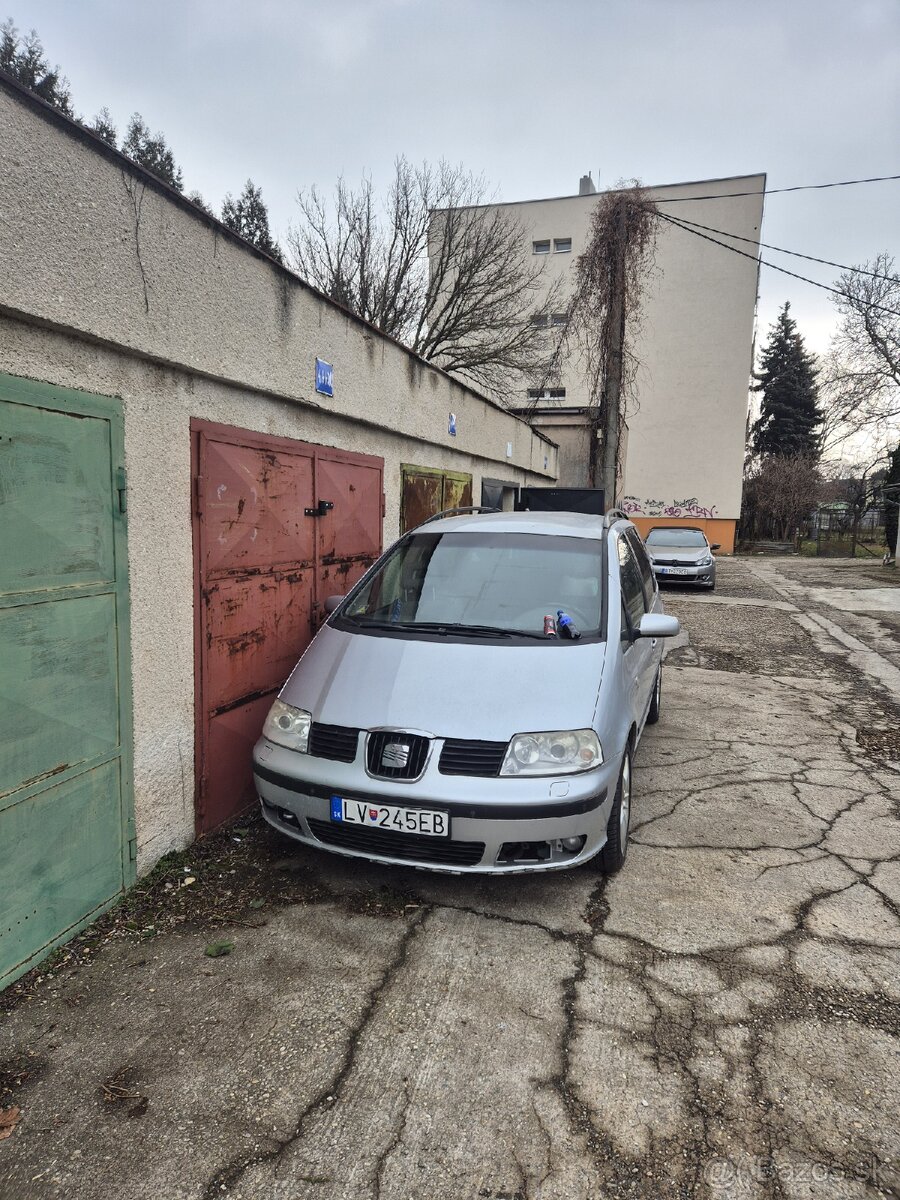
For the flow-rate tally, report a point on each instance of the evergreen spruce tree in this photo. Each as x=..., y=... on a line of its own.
x=103, y=125
x=152, y=152
x=789, y=414
x=249, y=217
x=197, y=198
x=23, y=58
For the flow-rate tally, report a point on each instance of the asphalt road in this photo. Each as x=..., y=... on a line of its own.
x=720, y=1019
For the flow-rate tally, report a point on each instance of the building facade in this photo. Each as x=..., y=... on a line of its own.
x=683, y=453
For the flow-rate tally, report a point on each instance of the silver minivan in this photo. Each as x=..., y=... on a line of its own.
x=475, y=702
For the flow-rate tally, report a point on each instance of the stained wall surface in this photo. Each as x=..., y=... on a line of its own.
x=110, y=284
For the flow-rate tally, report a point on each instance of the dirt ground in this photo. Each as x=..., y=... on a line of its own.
x=720, y=1019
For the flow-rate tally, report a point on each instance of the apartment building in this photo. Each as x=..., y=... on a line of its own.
x=683, y=451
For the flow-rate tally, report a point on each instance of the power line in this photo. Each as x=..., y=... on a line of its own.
x=762, y=262
x=800, y=187
x=781, y=250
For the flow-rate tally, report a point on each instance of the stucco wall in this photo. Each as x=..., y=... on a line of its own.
x=572, y=434
x=222, y=335
x=686, y=433
x=89, y=245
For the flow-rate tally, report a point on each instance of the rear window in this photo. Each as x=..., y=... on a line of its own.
x=505, y=581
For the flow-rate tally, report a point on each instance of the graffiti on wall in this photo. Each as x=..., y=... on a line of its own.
x=635, y=506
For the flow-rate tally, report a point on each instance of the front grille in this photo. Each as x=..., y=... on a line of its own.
x=671, y=562
x=462, y=757
x=411, y=846
x=333, y=741
x=406, y=762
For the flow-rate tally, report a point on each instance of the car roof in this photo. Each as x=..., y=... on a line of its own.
x=676, y=529
x=563, y=524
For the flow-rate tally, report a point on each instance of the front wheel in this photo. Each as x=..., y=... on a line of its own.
x=612, y=856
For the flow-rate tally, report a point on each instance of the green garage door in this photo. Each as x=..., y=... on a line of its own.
x=66, y=837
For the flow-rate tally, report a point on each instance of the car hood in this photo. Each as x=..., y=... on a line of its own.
x=688, y=555
x=447, y=688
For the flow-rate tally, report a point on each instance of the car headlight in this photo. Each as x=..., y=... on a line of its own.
x=561, y=753
x=288, y=726
x=705, y=561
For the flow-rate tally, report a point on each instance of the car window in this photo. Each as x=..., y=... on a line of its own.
x=632, y=586
x=508, y=581
x=676, y=537
x=643, y=562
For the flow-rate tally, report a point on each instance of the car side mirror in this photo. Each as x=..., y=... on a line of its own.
x=658, y=625
x=716, y=546
x=331, y=603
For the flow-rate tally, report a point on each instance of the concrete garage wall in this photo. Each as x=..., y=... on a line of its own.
x=221, y=334
x=91, y=244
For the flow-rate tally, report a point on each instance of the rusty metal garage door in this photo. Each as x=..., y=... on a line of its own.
x=278, y=526
x=429, y=490
x=66, y=819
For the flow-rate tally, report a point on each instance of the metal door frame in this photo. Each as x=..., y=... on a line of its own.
x=42, y=395
x=239, y=436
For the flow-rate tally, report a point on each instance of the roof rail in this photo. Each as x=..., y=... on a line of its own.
x=455, y=512
x=615, y=514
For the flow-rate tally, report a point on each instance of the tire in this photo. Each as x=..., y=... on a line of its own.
x=653, y=714
x=612, y=856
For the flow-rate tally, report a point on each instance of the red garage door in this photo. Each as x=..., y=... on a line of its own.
x=278, y=526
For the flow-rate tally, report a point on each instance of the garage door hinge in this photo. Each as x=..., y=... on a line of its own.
x=132, y=849
x=383, y=505
x=122, y=488
x=198, y=492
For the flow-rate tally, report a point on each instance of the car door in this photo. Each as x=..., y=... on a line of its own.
x=639, y=655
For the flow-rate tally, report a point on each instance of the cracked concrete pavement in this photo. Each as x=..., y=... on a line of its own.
x=720, y=1019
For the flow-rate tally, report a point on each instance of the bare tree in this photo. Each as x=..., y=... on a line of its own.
x=434, y=268
x=862, y=490
x=611, y=278
x=861, y=373
x=780, y=493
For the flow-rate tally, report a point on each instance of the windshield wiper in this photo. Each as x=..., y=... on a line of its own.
x=444, y=627
x=458, y=627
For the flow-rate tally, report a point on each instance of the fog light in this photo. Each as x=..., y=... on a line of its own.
x=573, y=844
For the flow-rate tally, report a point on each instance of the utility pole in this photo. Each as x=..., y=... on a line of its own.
x=603, y=472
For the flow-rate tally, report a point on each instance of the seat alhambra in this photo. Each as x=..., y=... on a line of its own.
x=474, y=704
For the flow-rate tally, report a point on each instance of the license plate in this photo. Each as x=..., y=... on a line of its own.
x=674, y=570
x=391, y=817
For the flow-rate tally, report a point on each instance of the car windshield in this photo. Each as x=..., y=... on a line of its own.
x=498, y=583
x=675, y=537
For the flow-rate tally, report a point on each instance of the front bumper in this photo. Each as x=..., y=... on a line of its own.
x=488, y=816
x=702, y=576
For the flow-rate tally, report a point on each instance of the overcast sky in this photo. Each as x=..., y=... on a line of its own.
x=293, y=92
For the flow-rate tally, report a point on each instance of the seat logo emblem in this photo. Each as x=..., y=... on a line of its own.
x=395, y=754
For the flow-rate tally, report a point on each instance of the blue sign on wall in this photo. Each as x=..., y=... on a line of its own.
x=324, y=378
